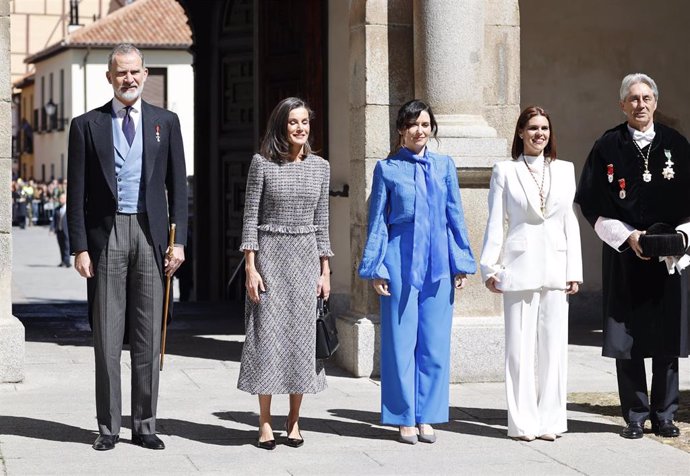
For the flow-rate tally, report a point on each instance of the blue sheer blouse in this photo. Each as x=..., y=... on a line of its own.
x=392, y=202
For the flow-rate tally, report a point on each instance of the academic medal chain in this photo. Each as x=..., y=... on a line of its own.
x=646, y=175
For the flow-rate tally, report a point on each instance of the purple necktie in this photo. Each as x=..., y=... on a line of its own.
x=128, y=126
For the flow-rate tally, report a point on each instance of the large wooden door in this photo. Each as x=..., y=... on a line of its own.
x=255, y=53
x=292, y=58
x=237, y=134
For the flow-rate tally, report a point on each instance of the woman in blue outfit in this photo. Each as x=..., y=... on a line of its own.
x=417, y=253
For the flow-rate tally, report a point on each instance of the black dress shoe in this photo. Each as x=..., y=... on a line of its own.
x=266, y=445
x=151, y=442
x=293, y=442
x=666, y=429
x=633, y=431
x=105, y=442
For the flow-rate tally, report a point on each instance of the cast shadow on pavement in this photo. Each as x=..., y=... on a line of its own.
x=45, y=430
x=488, y=421
x=456, y=424
x=197, y=330
x=362, y=425
x=53, y=431
x=483, y=422
x=350, y=423
x=614, y=409
x=203, y=432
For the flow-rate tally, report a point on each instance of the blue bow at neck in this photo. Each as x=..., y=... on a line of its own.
x=429, y=221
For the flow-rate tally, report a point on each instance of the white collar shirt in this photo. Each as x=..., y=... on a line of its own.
x=642, y=138
x=134, y=113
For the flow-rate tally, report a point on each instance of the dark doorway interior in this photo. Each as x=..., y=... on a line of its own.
x=292, y=57
x=248, y=54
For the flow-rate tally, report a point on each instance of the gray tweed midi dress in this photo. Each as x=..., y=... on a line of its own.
x=286, y=224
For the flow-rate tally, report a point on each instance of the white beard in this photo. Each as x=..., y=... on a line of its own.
x=129, y=95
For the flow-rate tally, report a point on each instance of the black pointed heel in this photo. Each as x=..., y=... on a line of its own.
x=293, y=442
x=266, y=445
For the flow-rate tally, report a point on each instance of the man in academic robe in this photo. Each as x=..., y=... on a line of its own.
x=636, y=176
x=127, y=181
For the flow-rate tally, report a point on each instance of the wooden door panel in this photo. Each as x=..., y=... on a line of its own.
x=241, y=74
x=292, y=53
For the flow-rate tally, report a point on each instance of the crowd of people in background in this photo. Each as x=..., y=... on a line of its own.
x=33, y=203
x=40, y=203
x=37, y=203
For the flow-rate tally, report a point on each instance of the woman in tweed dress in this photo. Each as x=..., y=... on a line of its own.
x=286, y=247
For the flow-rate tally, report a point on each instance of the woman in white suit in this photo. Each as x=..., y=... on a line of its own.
x=535, y=265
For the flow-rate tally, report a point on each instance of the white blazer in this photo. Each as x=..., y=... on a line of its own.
x=538, y=251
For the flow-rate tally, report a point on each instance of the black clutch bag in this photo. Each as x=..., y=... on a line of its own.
x=326, y=332
x=662, y=239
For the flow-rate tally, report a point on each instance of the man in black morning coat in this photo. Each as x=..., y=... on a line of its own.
x=637, y=175
x=127, y=180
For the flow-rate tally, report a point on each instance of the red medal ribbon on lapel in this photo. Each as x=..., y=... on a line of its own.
x=609, y=172
x=621, y=184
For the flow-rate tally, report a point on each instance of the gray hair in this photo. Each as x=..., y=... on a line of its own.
x=124, y=49
x=635, y=78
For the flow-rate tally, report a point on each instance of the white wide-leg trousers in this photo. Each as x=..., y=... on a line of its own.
x=536, y=322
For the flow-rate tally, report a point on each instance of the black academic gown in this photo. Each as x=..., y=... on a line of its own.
x=645, y=308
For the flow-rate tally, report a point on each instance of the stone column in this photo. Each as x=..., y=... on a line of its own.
x=463, y=57
x=381, y=80
x=501, y=67
x=450, y=73
x=11, y=330
x=448, y=45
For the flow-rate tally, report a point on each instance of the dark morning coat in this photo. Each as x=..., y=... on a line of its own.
x=91, y=191
x=645, y=308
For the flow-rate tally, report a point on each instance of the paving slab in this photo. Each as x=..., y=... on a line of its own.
x=47, y=423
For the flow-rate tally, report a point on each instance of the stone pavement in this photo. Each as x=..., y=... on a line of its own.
x=47, y=422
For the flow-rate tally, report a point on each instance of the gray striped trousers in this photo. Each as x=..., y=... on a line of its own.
x=129, y=295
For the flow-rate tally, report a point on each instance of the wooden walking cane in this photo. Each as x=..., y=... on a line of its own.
x=166, y=302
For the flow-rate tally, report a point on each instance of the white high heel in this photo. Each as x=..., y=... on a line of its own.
x=526, y=438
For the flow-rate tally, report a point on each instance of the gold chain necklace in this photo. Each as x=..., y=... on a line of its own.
x=646, y=175
x=542, y=196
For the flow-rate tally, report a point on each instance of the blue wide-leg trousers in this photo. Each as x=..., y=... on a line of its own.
x=415, y=341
